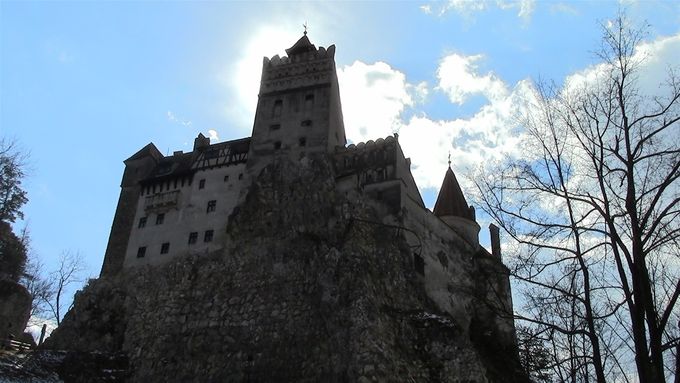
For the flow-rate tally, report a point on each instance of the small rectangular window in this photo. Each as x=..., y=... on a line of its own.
x=193, y=237
x=165, y=248
x=240, y=176
x=302, y=141
x=278, y=104
x=160, y=218
x=211, y=206
x=226, y=178
x=277, y=145
x=201, y=184
x=275, y=127
x=419, y=264
x=141, y=252
x=306, y=123
x=208, y=236
x=142, y=222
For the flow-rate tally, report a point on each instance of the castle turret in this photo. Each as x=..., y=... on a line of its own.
x=298, y=110
x=137, y=167
x=452, y=208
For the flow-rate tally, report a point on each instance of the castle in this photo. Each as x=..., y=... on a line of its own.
x=295, y=257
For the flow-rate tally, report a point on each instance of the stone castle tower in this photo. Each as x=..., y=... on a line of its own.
x=290, y=256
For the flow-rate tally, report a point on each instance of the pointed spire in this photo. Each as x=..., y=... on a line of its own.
x=450, y=201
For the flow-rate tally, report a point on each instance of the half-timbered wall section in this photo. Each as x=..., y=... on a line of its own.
x=185, y=202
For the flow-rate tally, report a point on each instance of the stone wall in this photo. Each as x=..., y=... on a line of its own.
x=305, y=291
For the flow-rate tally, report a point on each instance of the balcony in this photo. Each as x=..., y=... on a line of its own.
x=161, y=201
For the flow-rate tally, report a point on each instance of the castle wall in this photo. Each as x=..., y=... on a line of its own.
x=136, y=168
x=184, y=204
x=311, y=288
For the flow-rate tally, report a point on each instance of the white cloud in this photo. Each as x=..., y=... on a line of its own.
x=212, y=133
x=467, y=8
x=459, y=79
x=373, y=99
x=488, y=135
x=175, y=119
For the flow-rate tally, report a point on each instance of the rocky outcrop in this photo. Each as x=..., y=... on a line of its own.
x=305, y=292
x=15, y=309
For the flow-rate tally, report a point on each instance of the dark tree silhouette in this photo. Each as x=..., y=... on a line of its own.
x=594, y=211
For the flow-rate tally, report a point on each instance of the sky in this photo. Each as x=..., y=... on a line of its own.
x=84, y=85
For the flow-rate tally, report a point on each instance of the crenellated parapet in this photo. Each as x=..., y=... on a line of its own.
x=372, y=161
x=304, y=66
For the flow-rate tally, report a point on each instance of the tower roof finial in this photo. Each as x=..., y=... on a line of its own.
x=305, y=26
x=449, y=158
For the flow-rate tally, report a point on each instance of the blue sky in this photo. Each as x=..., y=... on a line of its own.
x=83, y=85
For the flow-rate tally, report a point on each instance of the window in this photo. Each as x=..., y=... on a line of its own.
x=211, y=206
x=302, y=141
x=142, y=223
x=275, y=127
x=419, y=264
x=240, y=176
x=278, y=104
x=160, y=218
x=165, y=248
x=309, y=101
x=208, y=236
x=226, y=178
x=306, y=123
x=277, y=145
x=201, y=184
x=141, y=252
x=193, y=237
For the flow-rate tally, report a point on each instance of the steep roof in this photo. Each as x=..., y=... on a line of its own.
x=149, y=150
x=301, y=46
x=450, y=201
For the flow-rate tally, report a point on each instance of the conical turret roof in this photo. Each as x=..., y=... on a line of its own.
x=450, y=201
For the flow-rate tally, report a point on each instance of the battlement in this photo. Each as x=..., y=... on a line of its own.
x=304, y=66
x=373, y=161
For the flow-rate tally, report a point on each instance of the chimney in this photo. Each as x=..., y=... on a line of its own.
x=494, y=233
x=201, y=141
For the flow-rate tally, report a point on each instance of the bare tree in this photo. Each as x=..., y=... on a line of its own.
x=37, y=284
x=594, y=212
x=52, y=289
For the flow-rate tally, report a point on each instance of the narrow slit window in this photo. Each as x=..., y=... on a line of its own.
x=142, y=222
x=165, y=248
x=141, y=252
x=201, y=184
x=278, y=105
x=160, y=218
x=419, y=264
x=303, y=141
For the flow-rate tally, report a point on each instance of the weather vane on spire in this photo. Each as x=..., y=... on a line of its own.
x=305, y=26
x=449, y=158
